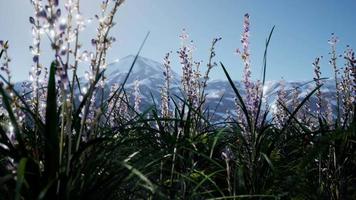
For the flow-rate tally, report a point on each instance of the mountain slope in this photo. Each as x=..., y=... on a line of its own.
x=150, y=75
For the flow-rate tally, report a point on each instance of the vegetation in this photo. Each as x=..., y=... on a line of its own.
x=63, y=139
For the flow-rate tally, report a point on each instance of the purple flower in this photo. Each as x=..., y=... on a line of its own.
x=55, y=2
x=42, y=14
x=35, y=58
x=58, y=13
x=32, y=20
x=317, y=80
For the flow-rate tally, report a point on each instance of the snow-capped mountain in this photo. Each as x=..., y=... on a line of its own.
x=148, y=72
x=220, y=96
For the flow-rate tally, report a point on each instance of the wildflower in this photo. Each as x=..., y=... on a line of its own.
x=137, y=95
x=252, y=89
x=333, y=62
x=14, y=101
x=227, y=154
x=245, y=55
x=317, y=76
x=5, y=60
x=111, y=106
x=295, y=98
x=241, y=119
x=196, y=84
x=165, y=99
x=329, y=113
x=210, y=66
x=348, y=86
x=280, y=113
x=186, y=60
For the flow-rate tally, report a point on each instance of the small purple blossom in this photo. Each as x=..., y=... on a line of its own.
x=318, y=83
x=165, y=98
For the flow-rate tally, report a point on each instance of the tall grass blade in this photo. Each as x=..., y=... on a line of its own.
x=21, y=170
x=299, y=107
x=3, y=50
x=51, y=128
x=133, y=170
x=264, y=75
x=6, y=103
x=119, y=90
x=237, y=93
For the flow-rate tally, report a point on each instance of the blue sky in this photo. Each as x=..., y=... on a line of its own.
x=302, y=30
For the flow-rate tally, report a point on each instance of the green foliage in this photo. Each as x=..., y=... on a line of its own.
x=185, y=156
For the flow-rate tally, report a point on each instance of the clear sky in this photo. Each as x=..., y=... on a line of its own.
x=303, y=28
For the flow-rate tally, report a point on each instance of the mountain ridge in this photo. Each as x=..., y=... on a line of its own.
x=150, y=75
x=219, y=93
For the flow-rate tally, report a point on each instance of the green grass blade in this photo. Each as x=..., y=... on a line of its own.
x=119, y=90
x=21, y=169
x=133, y=170
x=244, y=109
x=268, y=161
x=51, y=127
x=264, y=74
x=3, y=50
x=6, y=104
x=298, y=108
x=216, y=138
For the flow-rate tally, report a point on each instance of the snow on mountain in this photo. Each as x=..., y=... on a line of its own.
x=220, y=96
x=148, y=72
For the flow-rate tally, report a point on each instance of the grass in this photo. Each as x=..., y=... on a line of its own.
x=77, y=149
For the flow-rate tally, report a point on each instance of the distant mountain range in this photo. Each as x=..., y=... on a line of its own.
x=150, y=75
x=220, y=96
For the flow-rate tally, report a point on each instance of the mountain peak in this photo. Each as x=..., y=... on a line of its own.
x=132, y=56
x=145, y=70
x=141, y=64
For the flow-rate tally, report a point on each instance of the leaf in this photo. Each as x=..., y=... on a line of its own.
x=6, y=103
x=44, y=191
x=120, y=89
x=51, y=127
x=133, y=170
x=7, y=142
x=268, y=160
x=216, y=138
x=264, y=74
x=291, y=117
x=208, y=178
x=2, y=51
x=244, y=109
x=26, y=107
x=20, y=177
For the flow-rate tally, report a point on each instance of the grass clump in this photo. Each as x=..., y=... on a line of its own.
x=62, y=138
